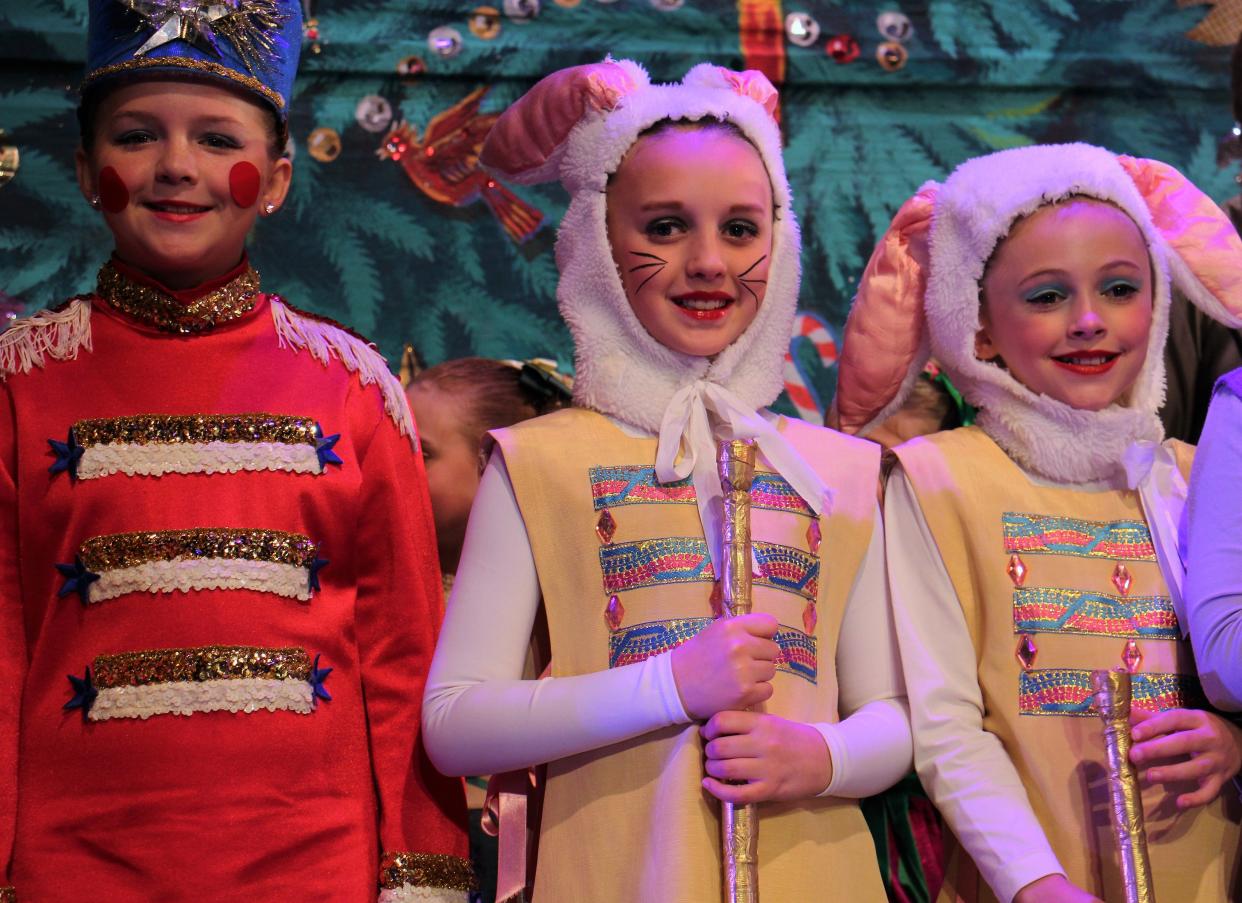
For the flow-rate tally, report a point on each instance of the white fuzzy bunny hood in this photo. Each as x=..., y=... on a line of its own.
x=620, y=369
x=974, y=211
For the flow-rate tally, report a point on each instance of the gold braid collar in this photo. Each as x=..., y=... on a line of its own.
x=153, y=307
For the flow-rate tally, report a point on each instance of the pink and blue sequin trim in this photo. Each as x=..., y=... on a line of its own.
x=1067, y=691
x=656, y=562
x=1046, y=610
x=612, y=487
x=1040, y=534
x=639, y=642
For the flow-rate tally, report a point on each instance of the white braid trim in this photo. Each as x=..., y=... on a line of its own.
x=325, y=341
x=152, y=459
x=247, y=694
x=185, y=574
x=24, y=344
x=407, y=893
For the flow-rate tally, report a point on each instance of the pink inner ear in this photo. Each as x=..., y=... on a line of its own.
x=113, y=195
x=244, y=183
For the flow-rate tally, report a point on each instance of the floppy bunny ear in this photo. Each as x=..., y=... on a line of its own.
x=526, y=142
x=751, y=83
x=885, y=342
x=1206, y=258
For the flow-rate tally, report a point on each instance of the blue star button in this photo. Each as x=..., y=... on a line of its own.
x=317, y=676
x=68, y=454
x=77, y=580
x=84, y=693
x=323, y=449
x=312, y=581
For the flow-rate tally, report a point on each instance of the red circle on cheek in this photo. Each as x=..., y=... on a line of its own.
x=244, y=183
x=113, y=195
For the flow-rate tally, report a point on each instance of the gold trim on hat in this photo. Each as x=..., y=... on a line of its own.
x=205, y=67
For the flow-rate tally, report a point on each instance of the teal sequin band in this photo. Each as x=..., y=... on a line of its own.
x=1039, y=534
x=1044, y=610
x=1068, y=691
x=657, y=562
x=639, y=642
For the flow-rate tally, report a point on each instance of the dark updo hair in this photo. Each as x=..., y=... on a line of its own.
x=494, y=394
x=88, y=112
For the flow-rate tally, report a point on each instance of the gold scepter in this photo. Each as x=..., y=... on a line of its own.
x=739, y=825
x=1112, y=697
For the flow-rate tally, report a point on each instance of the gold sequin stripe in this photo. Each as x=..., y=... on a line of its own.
x=150, y=428
x=160, y=666
x=184, y=62
x=125, y=550
x=426, y=870
x=154, y=308
x=8, y=895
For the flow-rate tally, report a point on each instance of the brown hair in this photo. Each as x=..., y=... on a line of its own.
x=493, y=394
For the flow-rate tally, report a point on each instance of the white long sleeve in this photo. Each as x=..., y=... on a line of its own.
x=479, y=716
x=871, y=747
x=1214, y=576
x=964, y=768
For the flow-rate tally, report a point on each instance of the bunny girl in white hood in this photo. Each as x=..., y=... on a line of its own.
x=679, y=279
x=1041, y=544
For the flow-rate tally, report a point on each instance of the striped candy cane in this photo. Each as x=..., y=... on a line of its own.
x=808, y=327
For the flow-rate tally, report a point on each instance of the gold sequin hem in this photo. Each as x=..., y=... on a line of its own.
x=154, y=308
x=426, y=870
x=157, y=666
x=124, y=550
x=151, y=428
x=184, y=62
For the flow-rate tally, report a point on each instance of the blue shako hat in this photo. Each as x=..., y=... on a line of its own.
x=248, y=44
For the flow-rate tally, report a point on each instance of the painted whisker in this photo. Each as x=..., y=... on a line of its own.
x=649, y=278
x=752, y=266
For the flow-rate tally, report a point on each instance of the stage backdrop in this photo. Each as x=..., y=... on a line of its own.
x=876, y=98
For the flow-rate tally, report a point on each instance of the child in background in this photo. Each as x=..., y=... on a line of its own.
x=455, y=404
x=1042, y=543
x=214, y=519
x=679, y=277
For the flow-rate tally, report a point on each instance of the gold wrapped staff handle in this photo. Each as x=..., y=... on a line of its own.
x=1112, y=698
x=739, y=825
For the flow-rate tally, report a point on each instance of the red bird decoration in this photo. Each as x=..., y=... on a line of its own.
x=445, y=164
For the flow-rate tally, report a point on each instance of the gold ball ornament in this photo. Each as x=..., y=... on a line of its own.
x=485, y=23
x=891, y=56
x=324, y=144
